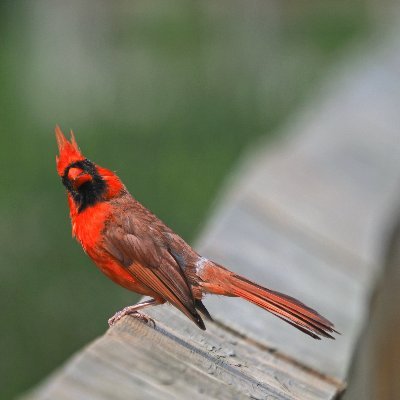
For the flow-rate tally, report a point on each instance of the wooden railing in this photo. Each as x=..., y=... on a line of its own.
x=308, y=216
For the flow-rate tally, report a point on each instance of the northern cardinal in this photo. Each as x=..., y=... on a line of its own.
x=139, y=252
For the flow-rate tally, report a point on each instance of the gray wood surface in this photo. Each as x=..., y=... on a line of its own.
x=175, y=361
x=308, y=216
x=376, y=369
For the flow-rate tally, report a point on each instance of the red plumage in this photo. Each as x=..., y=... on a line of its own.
x=139, y=252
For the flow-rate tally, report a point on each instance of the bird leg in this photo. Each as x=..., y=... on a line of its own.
x=133, y=310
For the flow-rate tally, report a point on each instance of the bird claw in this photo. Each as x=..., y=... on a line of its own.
x=128, y=311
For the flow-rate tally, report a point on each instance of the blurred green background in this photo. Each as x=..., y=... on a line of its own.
x=168, y=94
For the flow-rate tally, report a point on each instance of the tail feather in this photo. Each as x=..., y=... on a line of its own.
x=285, y=307
x=219, y=280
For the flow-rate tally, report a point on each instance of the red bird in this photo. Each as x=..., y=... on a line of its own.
x=139, y=252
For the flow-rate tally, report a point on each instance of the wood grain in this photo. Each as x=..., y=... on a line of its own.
x=181, y=363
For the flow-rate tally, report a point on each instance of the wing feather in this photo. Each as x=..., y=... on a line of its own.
x=144, y=253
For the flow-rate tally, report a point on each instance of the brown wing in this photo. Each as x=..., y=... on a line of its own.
x=142, y=247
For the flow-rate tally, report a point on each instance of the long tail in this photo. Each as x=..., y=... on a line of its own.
x=218, y=280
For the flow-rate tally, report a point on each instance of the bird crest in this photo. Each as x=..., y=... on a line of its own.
x=68, y=151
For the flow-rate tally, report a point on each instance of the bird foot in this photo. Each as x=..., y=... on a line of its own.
x=130, y=311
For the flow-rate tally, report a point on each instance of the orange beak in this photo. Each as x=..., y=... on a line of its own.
x=78, y=177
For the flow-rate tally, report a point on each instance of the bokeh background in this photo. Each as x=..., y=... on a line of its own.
x=167, y=93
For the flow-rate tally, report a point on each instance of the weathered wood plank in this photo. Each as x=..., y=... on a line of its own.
x=376, y=369
x=271, y=258
x=182, y=363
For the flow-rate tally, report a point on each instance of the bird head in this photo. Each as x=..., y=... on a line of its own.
x=87, y=183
